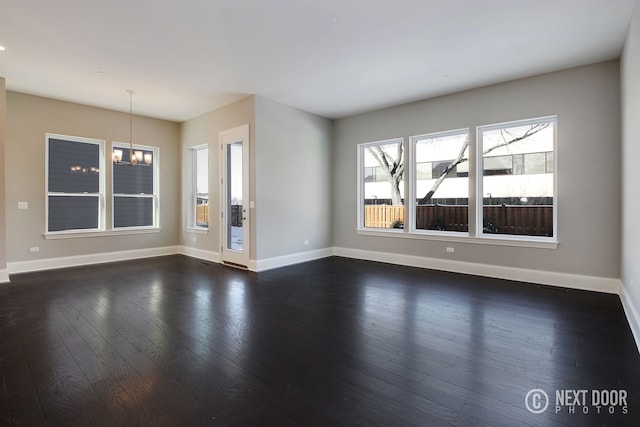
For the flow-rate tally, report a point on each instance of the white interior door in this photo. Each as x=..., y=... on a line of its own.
x=234, y=204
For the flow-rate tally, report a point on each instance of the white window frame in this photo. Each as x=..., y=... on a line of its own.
x=156, y=189
x=479, y=182
x=476, y=167
x=413, y=191
x=360, y=183
x=101, y=188
x=193, y=223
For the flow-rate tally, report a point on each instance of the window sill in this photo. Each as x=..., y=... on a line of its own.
x=197, y=230
x=464, y=238
x=99, y=233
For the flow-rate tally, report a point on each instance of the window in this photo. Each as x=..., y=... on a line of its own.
x=441, y=182
x=517, y=183
x=75, y=184
x=381, y=189
x=201, y=187
x=135, y=188
x=497, y=185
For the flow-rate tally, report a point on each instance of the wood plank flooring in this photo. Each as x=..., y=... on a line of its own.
x=336, y=342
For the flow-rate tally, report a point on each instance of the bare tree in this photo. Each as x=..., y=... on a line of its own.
x=451, y=166
x=507, y=138
x=393, y=168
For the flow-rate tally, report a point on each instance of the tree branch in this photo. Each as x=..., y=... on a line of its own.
x=459, y=159
x=531, y=131
x=381, y=161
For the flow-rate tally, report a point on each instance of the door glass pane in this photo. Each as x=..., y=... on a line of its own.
x=235, y=198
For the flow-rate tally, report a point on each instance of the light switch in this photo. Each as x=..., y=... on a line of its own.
x=252, y=204
x=23, y=205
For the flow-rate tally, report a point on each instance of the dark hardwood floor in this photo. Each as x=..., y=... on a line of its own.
x=176, y=341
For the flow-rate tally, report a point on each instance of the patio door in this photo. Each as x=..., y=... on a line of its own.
x=234, y=204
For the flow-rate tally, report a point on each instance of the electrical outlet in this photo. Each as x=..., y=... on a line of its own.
x=34, y=249
x=306, y=242
x=23, y=205
x=449, y=249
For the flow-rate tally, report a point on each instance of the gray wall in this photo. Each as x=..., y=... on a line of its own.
x=630, y=156
x=587, y=103
x=204, y=130
x=29, y=118
x=293, y=180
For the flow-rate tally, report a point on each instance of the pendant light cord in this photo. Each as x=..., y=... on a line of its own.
x=131, y=92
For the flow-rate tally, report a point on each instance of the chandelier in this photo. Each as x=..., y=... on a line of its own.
x=136, y=157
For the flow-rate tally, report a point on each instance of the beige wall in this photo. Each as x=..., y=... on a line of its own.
x=29, y=118
x=587, y=103
x=203, y=130
x=3, y=235
x=287, y=143
x=293, y=180
x=630, y=170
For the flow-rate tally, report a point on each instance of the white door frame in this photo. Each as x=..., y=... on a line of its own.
x=236, y=258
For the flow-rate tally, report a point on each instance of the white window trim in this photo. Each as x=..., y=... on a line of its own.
x=360, y=183
x=479, y=162
x=156, y=192
x=193, y=227
x=197, y=230
x=475, y=234
x=101, y=185
x=106, y=233
x=411, y=216
x=463, y=238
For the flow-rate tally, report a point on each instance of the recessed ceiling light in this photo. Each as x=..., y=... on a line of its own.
x=2, y=48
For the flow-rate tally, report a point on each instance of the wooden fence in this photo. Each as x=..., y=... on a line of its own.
x=236, y=215
x=519, y=220
x=383, y=216
x=437, y=217
x=202, y=215
x=500, y=219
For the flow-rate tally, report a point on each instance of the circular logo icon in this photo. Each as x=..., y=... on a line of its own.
x=536, y=401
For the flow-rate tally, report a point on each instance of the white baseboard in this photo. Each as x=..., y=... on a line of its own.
x=575, y=281
x=632, y=314
x=600, y=284
x=75, y=261
x=200, y=254
x=4, y=276
x=285, y=260
x=78, y=260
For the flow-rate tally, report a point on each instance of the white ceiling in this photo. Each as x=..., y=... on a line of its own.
x=331, y=57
